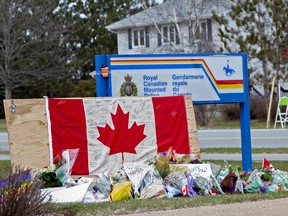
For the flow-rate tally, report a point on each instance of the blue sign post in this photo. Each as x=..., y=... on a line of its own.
x=209, y=78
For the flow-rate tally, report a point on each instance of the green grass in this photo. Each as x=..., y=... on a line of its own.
x=238, y=150
x=4, y=152
x=137, y=206
x=219, y=123
x=5, y=167
x=3, y=127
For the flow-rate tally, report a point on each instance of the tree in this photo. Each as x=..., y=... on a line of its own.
x=196, y=14
x=90, y=35
x=85, y=88
x=259, y=28
x=33, y=38
x=191, y=13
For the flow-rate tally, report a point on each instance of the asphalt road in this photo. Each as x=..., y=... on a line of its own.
x=4, y=142
x=260, y=138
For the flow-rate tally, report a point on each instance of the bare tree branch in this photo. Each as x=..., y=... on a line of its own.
x=32, y=43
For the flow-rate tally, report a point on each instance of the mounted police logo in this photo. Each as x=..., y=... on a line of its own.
x=128, y=88
x=228, y=71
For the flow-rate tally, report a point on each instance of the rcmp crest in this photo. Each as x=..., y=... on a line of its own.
x=128, y=88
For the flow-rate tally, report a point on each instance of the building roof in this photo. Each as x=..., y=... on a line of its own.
x=258, y=89
x=169, y=11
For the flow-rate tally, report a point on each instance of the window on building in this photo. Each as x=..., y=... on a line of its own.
x=202, y=31
x=169, y=34
x=172, y=34
x=138, y=37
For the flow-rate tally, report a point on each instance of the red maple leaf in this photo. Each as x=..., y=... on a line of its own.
x=121, y=139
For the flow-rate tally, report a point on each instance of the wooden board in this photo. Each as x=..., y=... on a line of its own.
x=192, y=127
x=28, y=132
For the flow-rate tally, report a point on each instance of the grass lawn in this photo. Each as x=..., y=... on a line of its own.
x=219, y=123
x=3, y=125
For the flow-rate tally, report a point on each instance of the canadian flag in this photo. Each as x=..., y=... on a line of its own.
x=111, y=131
x=267, y=164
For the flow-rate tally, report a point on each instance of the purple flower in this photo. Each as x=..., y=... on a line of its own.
x=17, y=178
x=263, y=188
x=190, y=182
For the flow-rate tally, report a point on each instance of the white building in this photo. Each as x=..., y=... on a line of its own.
x=175, y=26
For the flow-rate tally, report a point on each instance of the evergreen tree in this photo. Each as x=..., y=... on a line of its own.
x=90, y=37
x=259, y=28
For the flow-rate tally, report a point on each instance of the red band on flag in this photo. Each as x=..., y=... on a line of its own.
x=171, y=124
x=68, y=131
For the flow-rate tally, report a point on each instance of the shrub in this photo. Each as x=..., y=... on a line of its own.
x=85, y=88
x=258, y=107
x=2, y=112
x=20, y=194
x=230, y=111
x=205, y=114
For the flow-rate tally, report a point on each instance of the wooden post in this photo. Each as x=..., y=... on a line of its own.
x=270, y=104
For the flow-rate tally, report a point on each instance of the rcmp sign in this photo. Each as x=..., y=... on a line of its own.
x=206, y=78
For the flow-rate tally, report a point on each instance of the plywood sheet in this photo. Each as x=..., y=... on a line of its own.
x=192, y=127
x=27, y=132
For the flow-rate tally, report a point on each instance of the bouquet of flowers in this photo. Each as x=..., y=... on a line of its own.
x=48, y=176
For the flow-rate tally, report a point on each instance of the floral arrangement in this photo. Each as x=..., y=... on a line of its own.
x=49, y=177
x=160, y=177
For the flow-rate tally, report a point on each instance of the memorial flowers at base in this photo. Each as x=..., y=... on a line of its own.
x=48, y=176
x=172, y=175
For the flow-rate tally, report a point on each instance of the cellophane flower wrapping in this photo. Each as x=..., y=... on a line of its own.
x=280, y=178
x=224, y=171
x=174, y=183
x=215, y=185
x=268, y=187
x=64, y=172
x=153, y=190
x=183, y=158
x=118, y=177
x=136, y=173
x=190, y=185
x=203, y=185
x=162, y=162
x=121, y=191
x=254, y=182
x=102, y=186
x=215, y=168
